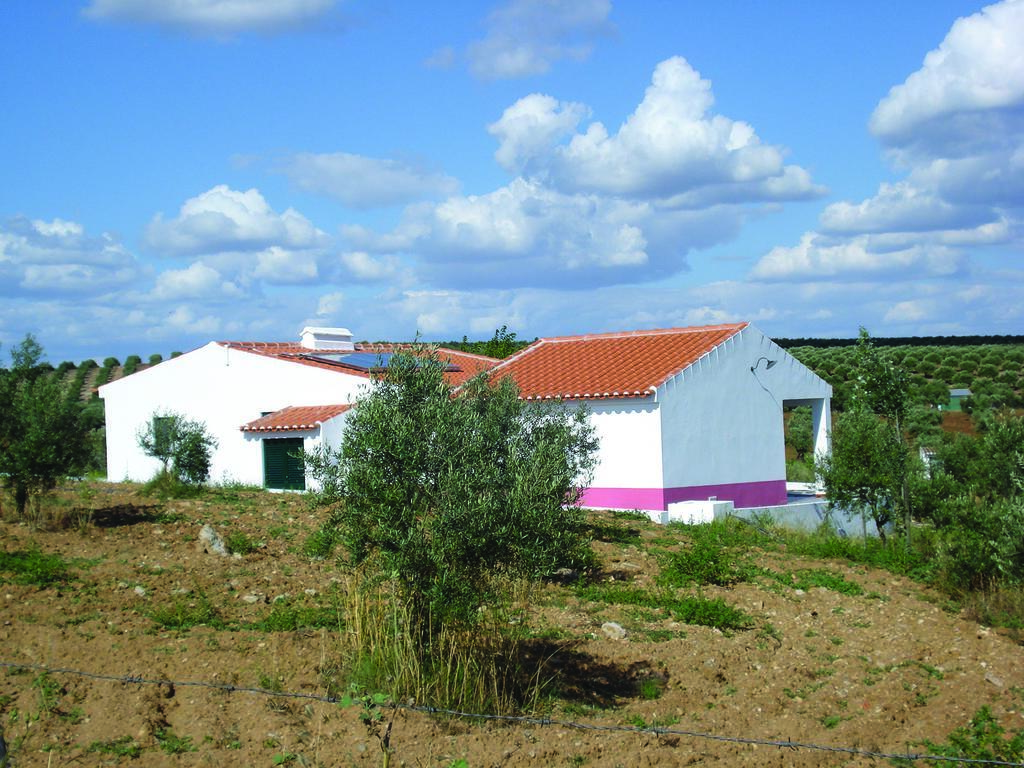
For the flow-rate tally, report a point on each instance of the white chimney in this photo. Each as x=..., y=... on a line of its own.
x=337, y=339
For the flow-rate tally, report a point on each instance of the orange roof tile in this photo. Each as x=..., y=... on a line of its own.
x=609, y=365
x=468, y=365
x=295, y=417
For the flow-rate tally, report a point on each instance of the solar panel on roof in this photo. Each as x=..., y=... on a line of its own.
x=363, y=361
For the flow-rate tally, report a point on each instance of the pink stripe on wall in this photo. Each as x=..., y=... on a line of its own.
x=624, y=498
x=764, y=493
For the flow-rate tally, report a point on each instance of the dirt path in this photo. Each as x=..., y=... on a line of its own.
x=879, y=671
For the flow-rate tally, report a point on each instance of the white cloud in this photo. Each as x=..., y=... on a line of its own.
x=360, y=265
x=365, y=182
x=436, y=314
x=330, y=305
x=528, y=234
x=955, y=127
x=526, y=37
x=531, y=127
x=58, y=257
x=994, y=178
x=194, y=282
x=671, y=148
x=223, y=219
x=213, y=17
x=911, y=311
x=182, y=318
x=588, y=208
x=817, y=258
x=902, y=207
x=975, y=73
x=285, y=267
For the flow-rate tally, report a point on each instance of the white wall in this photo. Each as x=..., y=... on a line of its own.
x=222, y=387
x=722, y=423
x=630, y=443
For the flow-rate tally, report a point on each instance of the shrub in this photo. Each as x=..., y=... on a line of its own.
x=866, y=468
x=703, y=562
x=800, y=431
x=455, y=493
x=987, y=371
x=980, y=544
x=982, y=739
x=131, y=364
x=156, y=358
x=923, y=422
x=800, y=471
x=181, y=444
x=43, y=436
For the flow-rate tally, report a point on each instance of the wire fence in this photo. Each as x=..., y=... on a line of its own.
x=910, y=757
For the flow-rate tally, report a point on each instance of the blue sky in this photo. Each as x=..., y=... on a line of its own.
x=178, y=171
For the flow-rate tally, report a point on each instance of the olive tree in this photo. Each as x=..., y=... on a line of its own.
x=866, y=468
x=181, y=444
x=43, y=436
x=882, y=388
x=454, y=492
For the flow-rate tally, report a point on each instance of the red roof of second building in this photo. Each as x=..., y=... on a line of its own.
x=295, y=417
x=606, y=365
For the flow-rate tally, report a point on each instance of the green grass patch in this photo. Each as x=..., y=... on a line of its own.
x=831, y=721
x=240, y=544
x=983, y=738
x=696, y=610
x=705, y=561
x=185, y=613
x=650, y=688
x=34, y=567
x=731, y=532
x=125, y=746
x=809, y=578
x=173, y=744
x=893, y=556
x=285, y=617
x=658, y=635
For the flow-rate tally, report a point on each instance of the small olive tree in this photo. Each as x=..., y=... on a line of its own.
x=870, y=463
x=454, y=492
x=866, y=468
x=43, y=436
x=181, y=444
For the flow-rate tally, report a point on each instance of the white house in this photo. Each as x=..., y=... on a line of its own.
x=260, y=400
x=682, y=414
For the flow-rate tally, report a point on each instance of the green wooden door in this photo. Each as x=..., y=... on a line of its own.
x=282, y=467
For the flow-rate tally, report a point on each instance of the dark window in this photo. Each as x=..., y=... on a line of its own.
x=283, y=467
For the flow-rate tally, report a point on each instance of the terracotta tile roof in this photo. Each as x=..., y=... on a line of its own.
x=295, y=417
x=610, y=365
x=467, y=364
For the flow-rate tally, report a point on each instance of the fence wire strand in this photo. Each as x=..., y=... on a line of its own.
x=520, y=719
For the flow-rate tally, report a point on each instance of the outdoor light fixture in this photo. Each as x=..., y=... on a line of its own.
x=768, y=363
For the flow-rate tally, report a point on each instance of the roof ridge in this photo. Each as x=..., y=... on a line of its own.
x=647, y=332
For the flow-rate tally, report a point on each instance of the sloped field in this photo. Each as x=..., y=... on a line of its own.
x=834, y=656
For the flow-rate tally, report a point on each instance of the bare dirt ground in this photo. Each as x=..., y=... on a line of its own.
x=878, y=671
